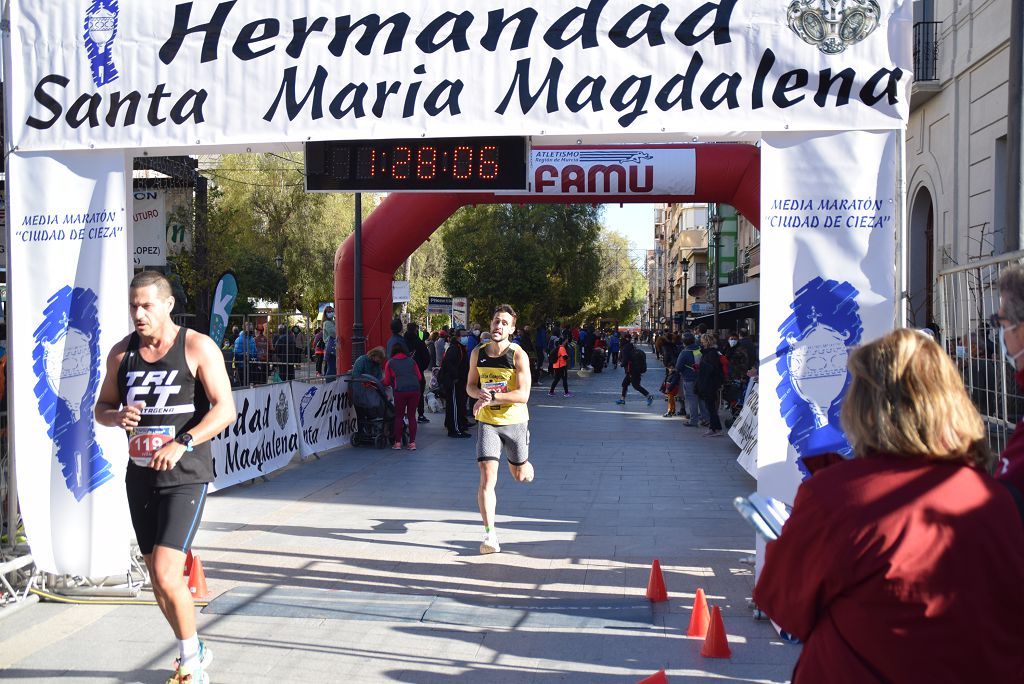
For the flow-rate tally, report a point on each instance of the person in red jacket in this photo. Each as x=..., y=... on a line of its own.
x=904, y=564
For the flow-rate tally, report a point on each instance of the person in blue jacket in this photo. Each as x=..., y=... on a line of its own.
x=245, y=353
x=613, y=348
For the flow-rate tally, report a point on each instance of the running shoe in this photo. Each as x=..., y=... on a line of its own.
x=396, y=446
x=205, y=656
x=422, y=419
x=650, y=399
x=490, y=544
x=667, y=414
x=551, y=393
x=620, y=401
x=568, y=395
x=195, y=675
x=412, y=446
x=713, y=433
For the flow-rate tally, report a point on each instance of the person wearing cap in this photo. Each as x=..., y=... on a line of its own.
x=453, y=375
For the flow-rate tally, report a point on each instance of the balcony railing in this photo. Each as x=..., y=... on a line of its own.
x=926, y=50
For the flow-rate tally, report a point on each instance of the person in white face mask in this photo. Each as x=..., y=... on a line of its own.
x=1009, y=321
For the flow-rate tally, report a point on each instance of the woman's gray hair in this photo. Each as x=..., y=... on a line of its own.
x=1011, y=289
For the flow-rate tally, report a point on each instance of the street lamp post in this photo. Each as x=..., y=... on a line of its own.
x=716, y=223
x=686, y=283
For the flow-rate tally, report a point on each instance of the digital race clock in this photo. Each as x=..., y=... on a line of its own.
x=425, y=164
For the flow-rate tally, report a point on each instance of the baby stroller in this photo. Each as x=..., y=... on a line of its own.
x=598, y=360
x=375, y=412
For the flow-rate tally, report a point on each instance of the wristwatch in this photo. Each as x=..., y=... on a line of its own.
x=184, y=439
x=494, y=395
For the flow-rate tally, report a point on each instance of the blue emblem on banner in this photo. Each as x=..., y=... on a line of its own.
x=66, y=363
x=100, y=32
x=812, y=364
x=306, y=400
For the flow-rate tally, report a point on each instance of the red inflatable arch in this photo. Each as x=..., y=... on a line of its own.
x=727, y=173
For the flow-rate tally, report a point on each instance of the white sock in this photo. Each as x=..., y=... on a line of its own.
x=188, y=651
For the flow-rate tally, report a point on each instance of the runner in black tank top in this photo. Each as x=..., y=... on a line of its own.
x=174, y=404
x=167, y=387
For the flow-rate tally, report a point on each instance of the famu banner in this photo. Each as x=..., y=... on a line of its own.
x=67, y=233
x=263, y=438
x=135, y=73
x=327, y=419
x=830, y=213
x=617, y=170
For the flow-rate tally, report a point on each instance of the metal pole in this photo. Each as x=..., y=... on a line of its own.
x=1014, y=232
x=686, y=283
x=717, y=265
x=358, y=341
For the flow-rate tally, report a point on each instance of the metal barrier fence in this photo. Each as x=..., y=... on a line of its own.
x=261, y=349
x=967, y=296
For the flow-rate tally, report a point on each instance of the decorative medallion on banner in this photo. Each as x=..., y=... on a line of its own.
x=66, y=362
x=812, y=364
x=100, y=32
x=833, y=25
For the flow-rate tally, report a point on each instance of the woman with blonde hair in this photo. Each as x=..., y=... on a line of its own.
x=906, y=563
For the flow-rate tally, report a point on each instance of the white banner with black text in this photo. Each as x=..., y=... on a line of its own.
x=830, y=216
x=133, y=74
x=68, y=236
x=263, y=438
x=327, y=419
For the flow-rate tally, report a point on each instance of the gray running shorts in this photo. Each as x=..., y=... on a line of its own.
x=514, y=438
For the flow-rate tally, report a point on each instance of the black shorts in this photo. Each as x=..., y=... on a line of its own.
x=165, y=516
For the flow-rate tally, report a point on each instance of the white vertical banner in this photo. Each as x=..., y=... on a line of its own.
x=149, y=227
x=829, y=221
x=67, y=232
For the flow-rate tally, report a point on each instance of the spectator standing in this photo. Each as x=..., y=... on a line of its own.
x=319, y=346
x=403, y=375
x=613, y=348
x=887, y=556
x=417, y=349
x=559, y=367
x=452, y=378
x=1009, y=322
x=686, y=363
x=284, y=347
x=710, y=378
x=244, y=355
x=330, y=344
x=440, y=344
x=396, y=336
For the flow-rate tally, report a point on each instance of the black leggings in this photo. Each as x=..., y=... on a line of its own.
x=563, y=375
x=632, y=379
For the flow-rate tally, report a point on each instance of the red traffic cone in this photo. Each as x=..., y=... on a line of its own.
x=716, y=645
x=656, y=584
x=700, y=617
x=188, y=563
x=656, y=678
x=197, y=580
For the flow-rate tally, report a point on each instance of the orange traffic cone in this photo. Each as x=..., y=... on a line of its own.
x=656, y=584
x=188, y=563
x=197, y=580
x=656, y=678
x=700, y=617
x=716, y=645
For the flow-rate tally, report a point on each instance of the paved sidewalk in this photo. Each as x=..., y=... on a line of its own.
x=363, y=566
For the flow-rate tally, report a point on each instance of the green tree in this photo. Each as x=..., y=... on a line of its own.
x=622, y=288
x=259, y=215
x=544, y=259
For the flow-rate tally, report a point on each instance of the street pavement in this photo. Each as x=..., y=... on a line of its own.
x=363, y=566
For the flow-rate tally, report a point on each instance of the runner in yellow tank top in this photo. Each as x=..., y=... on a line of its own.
x=499, y=380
